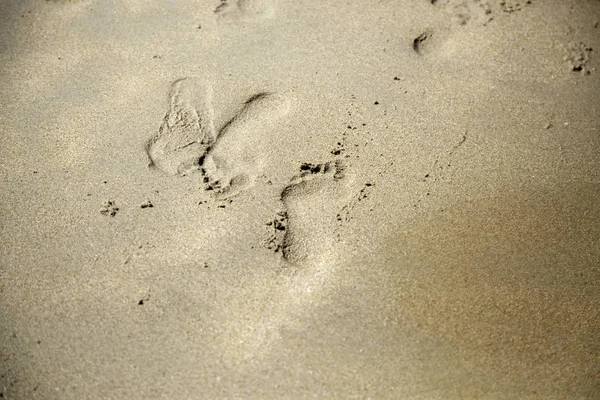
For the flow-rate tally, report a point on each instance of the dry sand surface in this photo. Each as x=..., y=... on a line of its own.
x=385, y=199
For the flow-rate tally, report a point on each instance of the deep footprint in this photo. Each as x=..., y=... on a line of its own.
x=187, y=130
x=238, y=155
x=312, y=202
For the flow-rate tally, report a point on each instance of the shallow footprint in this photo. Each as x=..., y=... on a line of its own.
x=187, y=129
x=238, y=155
x=467, y=12
x=245, y=9
x=312, y=202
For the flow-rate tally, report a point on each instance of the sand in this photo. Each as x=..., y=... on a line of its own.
x=280, y=199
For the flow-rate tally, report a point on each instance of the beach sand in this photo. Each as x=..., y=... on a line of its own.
x=299, y=199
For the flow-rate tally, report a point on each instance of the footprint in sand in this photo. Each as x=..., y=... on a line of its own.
x=238, y=155
x=245, y=9
x=311, y=202
x=231, y=161
x=308, y=223
x=467, y=12
x=453, y=13
x=187, y=130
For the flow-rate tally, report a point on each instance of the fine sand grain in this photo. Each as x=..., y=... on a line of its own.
x=279, y=199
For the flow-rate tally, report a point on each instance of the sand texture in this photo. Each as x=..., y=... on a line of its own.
x=279, y=199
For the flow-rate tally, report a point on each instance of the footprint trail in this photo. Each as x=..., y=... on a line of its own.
x=230, y=162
